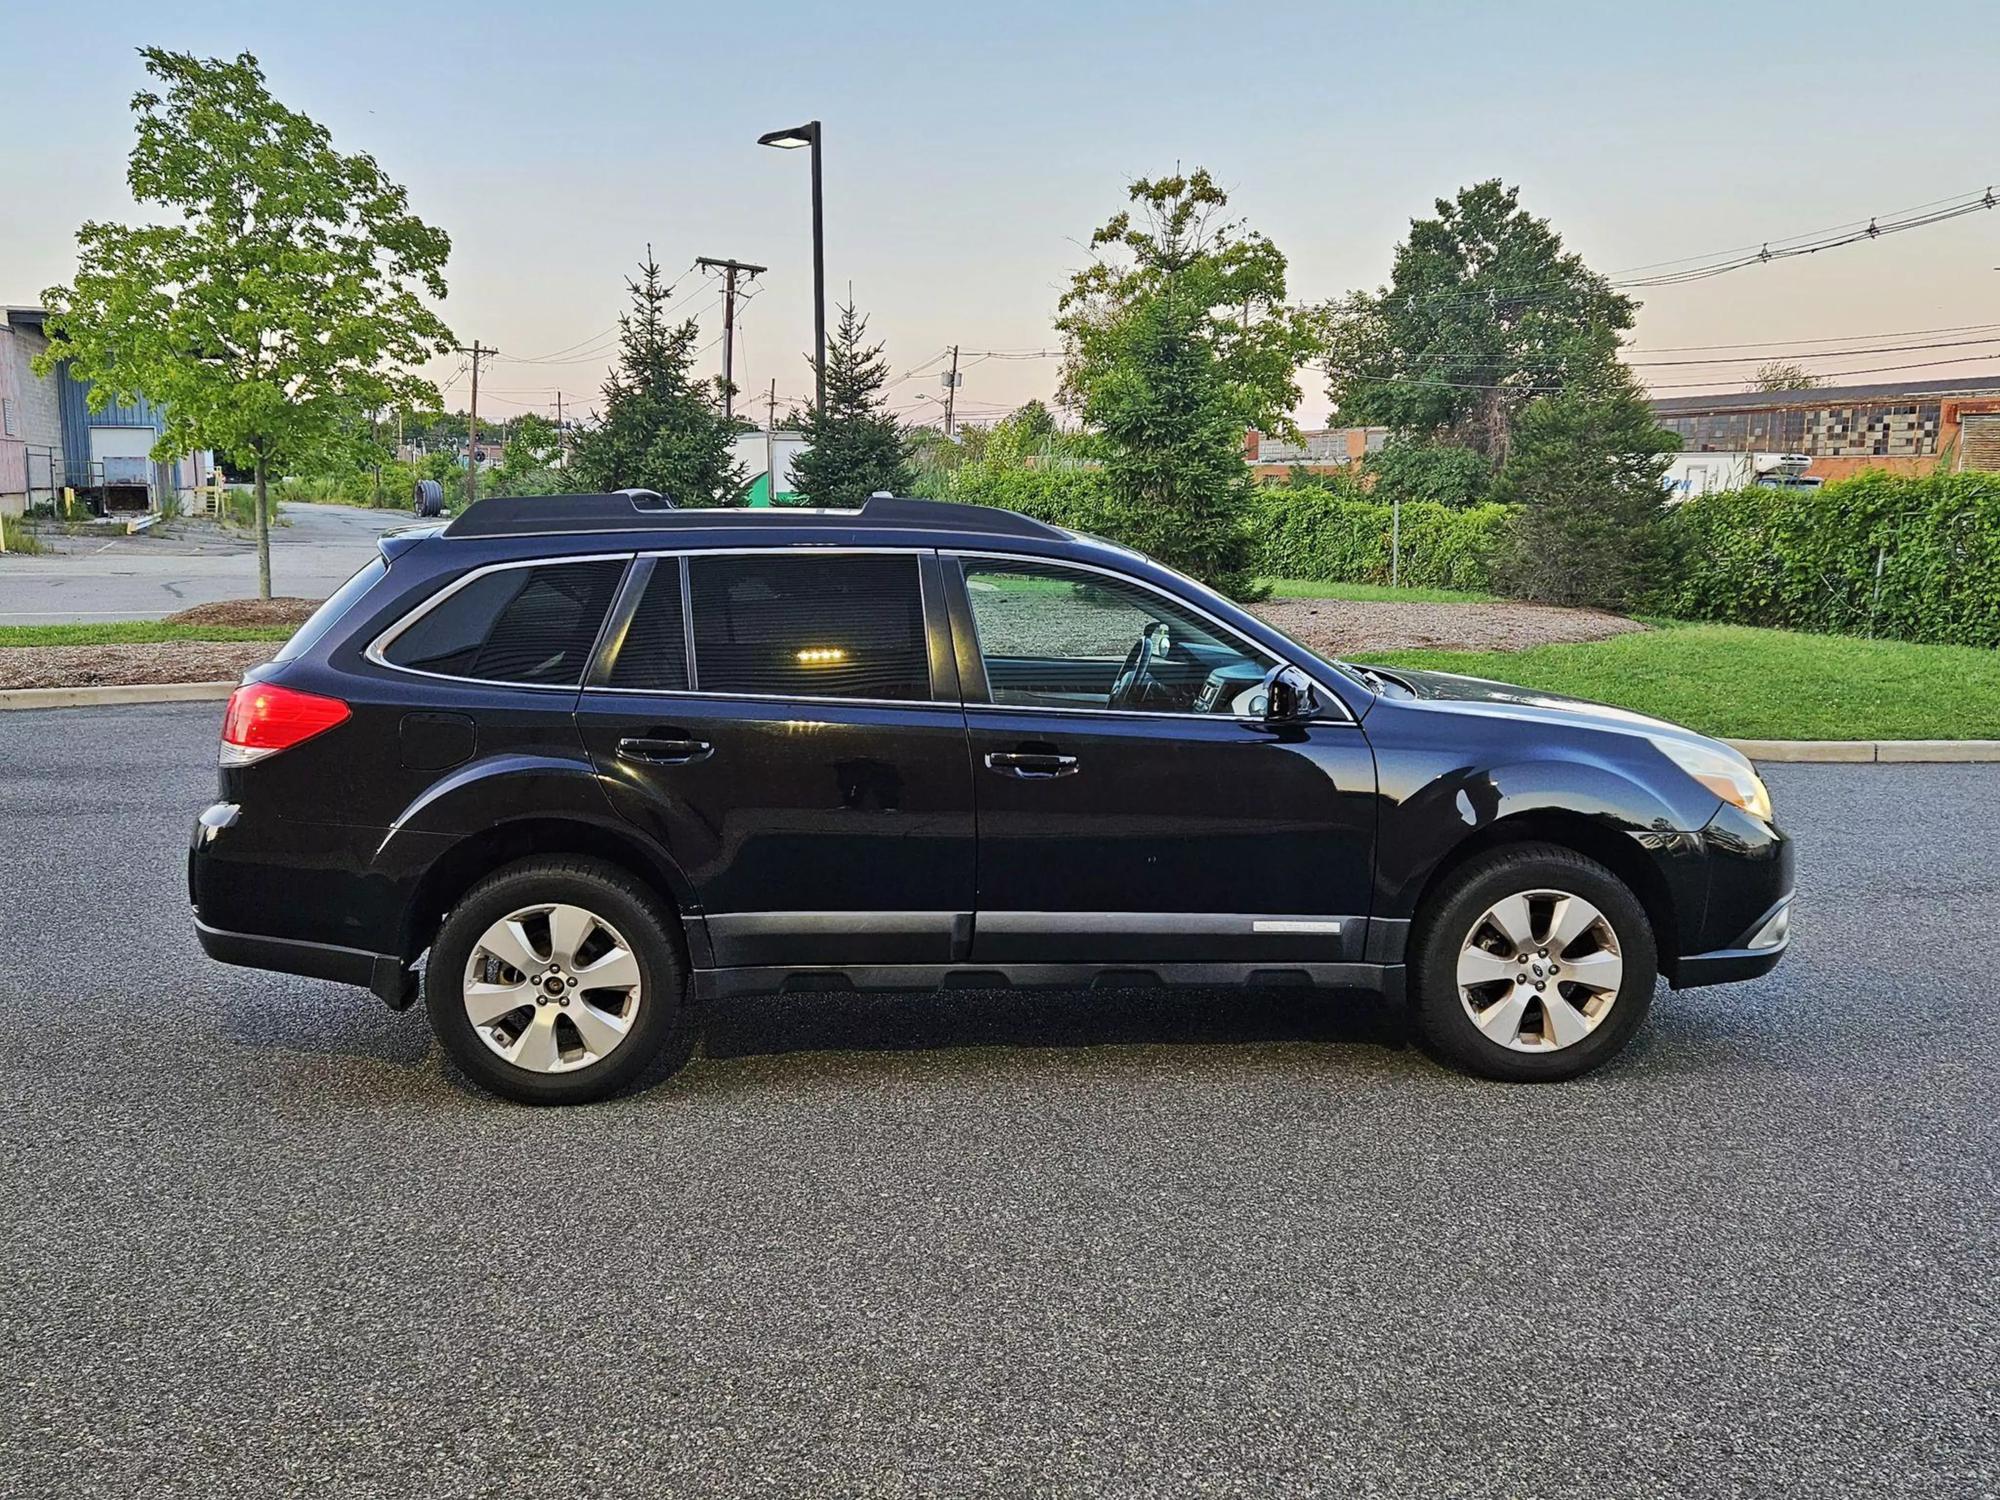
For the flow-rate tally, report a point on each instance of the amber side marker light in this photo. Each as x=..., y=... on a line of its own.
x=263, y=718
x=822, y=656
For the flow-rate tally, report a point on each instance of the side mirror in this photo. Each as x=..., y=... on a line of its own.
x=1289, y=697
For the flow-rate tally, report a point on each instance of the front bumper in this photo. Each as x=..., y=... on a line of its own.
x=1757, y=953
x=1746, y=925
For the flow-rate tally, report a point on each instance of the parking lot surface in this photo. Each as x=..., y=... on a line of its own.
x=119, y=577
x=259, y=1241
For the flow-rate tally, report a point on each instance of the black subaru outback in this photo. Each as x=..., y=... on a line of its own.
x=580, y=760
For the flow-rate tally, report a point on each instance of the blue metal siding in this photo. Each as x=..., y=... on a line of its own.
x=77, y=418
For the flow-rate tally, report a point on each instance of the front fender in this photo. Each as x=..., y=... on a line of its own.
x=1427, y=819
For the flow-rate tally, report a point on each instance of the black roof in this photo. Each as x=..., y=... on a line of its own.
x=547, y=515
x=1828, y=395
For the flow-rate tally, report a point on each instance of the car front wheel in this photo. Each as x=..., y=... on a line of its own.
x=555, y=981
x=1531, y=964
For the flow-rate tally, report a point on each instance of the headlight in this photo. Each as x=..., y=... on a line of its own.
x=1722, y=771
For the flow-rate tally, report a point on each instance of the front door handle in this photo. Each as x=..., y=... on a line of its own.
x=1031, y=765
x=665, y=752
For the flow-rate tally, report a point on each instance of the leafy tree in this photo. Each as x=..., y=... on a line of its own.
x=1586, y=470
x=528, y=462
x=1783, y=375
x=1176, y=343
x=1410, y=469
x=661, y=428
x=857, y=445
x=284, y=304
x=1484, y=312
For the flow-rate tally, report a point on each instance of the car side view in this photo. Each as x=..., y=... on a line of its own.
x=569, y=764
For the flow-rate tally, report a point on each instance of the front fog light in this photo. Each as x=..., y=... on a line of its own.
x=1775, y=931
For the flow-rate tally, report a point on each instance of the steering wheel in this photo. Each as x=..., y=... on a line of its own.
x=1134, y=683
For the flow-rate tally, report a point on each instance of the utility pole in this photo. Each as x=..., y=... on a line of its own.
x=478, y=352
x=730, y=270
x=562, y=446
x=771, y=444
x=950, y=385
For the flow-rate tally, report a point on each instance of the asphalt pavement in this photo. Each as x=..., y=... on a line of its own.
x=118, y=577
x=258, y=1240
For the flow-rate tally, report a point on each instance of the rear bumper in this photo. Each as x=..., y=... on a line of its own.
x=383, y=973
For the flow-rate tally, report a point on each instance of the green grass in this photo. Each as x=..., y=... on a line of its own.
x=1744, y=683
x=1373, y=593
x=135, y=632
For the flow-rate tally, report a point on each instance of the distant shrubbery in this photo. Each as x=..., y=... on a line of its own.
x=1797, y=559
x=1805, y=559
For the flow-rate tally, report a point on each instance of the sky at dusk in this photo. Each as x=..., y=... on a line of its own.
x=970, y=150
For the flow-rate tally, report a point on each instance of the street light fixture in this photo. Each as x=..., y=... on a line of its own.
x=791, y=140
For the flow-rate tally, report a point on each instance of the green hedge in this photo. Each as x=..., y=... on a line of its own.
x=1321, y=534
x=1070, y=497
x=1806, y=559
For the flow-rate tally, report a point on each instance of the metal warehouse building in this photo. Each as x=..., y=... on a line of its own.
x=50, y=439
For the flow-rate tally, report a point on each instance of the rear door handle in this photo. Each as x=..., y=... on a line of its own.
x=665, y=752
x=1031, y=765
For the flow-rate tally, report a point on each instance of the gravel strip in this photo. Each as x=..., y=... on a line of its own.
x=1341, y=627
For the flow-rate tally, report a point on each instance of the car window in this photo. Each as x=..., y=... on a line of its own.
x=323, y=619
x=530, y=625
x=653, y=654
x=789, y=625
x=1057, y=637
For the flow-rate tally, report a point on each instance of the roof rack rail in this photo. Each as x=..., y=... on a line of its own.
x=546, y=515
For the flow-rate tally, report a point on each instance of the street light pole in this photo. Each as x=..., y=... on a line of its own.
x=808, y=134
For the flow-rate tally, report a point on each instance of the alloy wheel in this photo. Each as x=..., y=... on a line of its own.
x=1539, y=971
x=552, y=989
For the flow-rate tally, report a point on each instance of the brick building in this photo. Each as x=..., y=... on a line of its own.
x=1323, y=452
x=1904, y=427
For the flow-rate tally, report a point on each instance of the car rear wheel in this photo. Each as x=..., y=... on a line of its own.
x=555, y=981
x=1531, y=964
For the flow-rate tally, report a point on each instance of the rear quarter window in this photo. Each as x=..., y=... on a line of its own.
x=533, y=624
x=323, y=619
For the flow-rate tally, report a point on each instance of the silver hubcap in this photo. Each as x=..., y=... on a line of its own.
x=552, y=988
x=1539, y=971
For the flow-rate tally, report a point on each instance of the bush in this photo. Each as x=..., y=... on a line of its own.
x=1070, y=497
x=19, y=535
x=1806, y=559
x=1332, y=535
x=1411, y=469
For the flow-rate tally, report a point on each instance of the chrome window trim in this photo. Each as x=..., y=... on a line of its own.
x=1328, y=698
x=387, y=638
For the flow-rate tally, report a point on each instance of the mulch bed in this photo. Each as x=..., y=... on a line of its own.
x=1332, y=627
x=114, y=666
x=279, y=611
x=1351, y=628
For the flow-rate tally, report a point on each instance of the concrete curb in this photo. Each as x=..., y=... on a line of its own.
x=105, y=697
x=1795, y=752
x=1849, y=752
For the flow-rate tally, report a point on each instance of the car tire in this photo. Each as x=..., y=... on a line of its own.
x=1545, y=1020
x=541, y=1050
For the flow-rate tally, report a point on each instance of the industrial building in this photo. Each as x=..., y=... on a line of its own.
x=50, y=439
x=1906, y=427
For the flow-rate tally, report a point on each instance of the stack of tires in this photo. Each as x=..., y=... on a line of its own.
x=429, y=498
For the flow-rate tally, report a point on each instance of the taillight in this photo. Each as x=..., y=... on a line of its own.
x=263, y=718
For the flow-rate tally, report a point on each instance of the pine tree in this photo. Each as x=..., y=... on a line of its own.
x=857, y=446
x=661, y=428
x=1585, y=469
